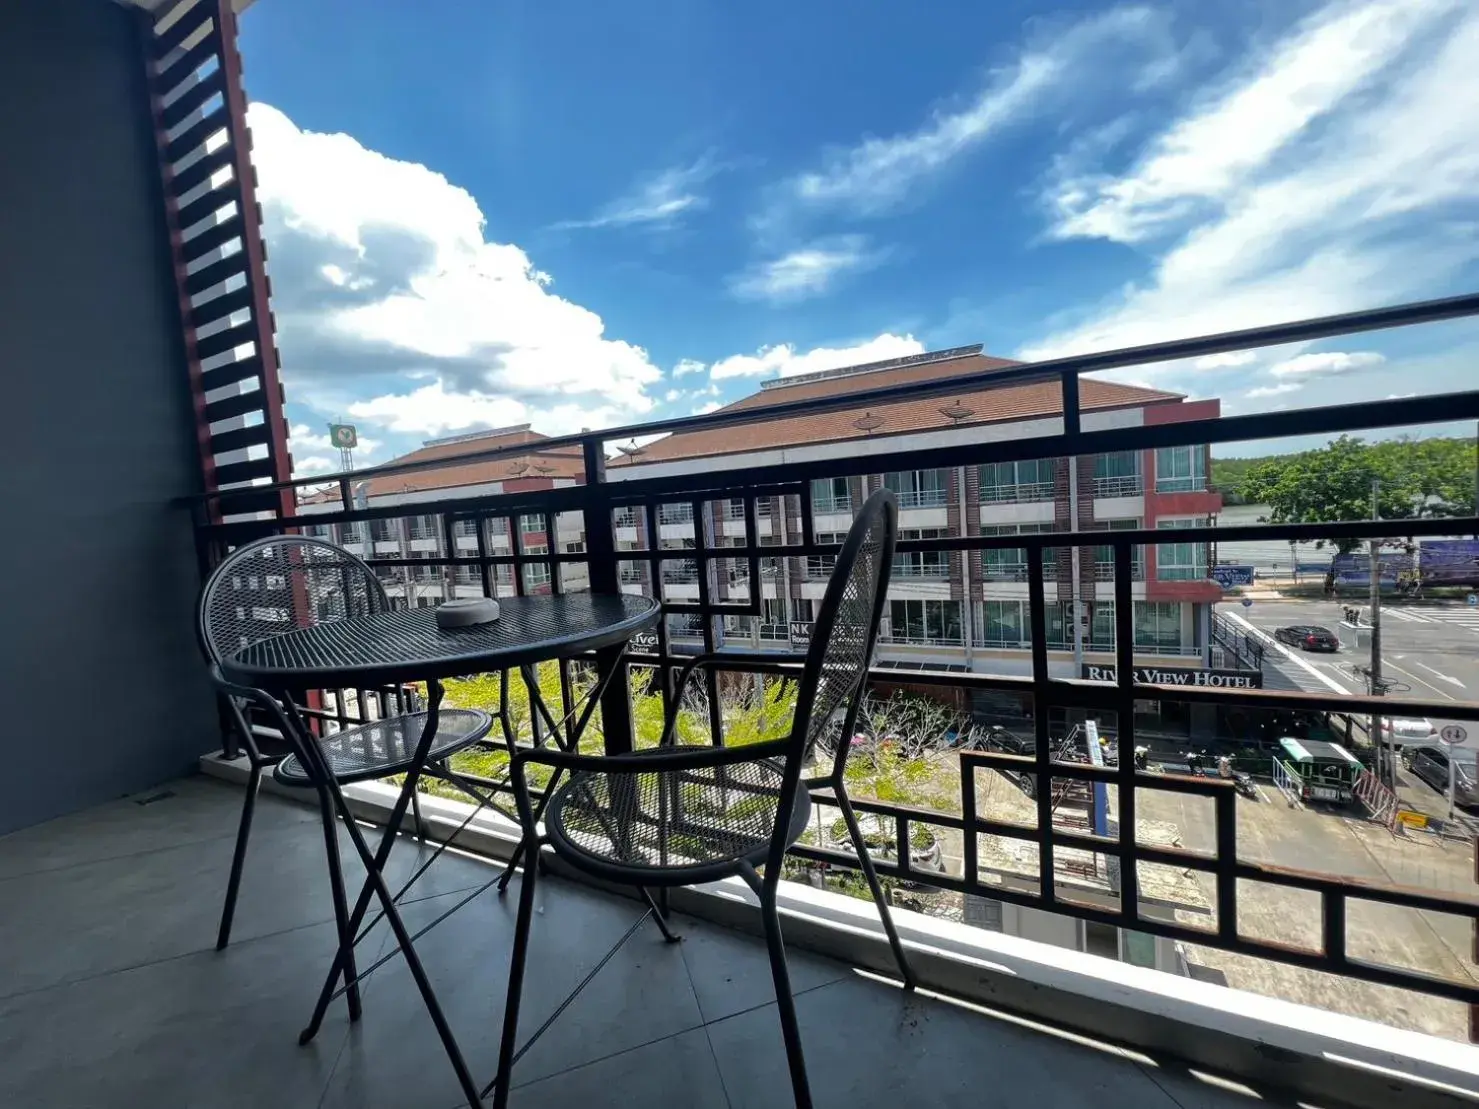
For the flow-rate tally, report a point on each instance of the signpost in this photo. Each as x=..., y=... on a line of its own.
x=1229, y=576
x=1451, y=736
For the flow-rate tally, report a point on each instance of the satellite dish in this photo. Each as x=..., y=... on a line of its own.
x=957, y=412
x=868, y=423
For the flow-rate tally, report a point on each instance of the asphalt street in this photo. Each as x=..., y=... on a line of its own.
x=1430, y=648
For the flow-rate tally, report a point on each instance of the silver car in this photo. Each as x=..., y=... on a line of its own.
x=1433, y=765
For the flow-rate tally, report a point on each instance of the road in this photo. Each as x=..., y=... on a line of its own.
x=1431, y=648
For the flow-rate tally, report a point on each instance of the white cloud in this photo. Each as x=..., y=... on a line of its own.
x=384, y=283
x=1226, y=361
x=687, y=366
x=877, y=173
x=783, y=360
x=1208, y=154
x=707, y=407
x=671, y=395
x=807, y=271
x=1367, y=211
x=1326, y=364
x=1274, y=390
x=657, y=201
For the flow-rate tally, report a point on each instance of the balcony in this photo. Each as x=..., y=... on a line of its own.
x=1017, y=494
x=827, y=506
x=922, y=498
x=143, y=1012
x=111, y=994
x=927, y=566
x=1131, y=485
x=1104, y=570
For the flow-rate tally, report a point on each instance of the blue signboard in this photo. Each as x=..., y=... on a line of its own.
x=1320, y=569
x=1229, y=576
x=1355, y=569
x=1449, y=561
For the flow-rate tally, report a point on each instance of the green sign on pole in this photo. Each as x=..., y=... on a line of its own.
x=343, y=436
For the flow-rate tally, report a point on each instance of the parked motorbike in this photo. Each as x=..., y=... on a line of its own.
x=1207, y=765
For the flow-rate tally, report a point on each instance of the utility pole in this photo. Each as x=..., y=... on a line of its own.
x=1376, y=682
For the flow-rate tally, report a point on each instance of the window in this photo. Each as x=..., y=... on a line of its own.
x=423, y=527
x=1104, y=556
x=821, y=566
x=353, y=533
x=830, y=494
x=465, y=529
x=927, y=622
x=1003, y=624
x=922, y=564
x=575, y=546
x=1012, y=482
x=1101, y=939
x=1010, y=563
x=384, y=531
x=918, y=488
x=530, y=524
x=1181, y=561
x=1158, y=624
x=675, y=514
x=1180, y=469
x=1117, y=474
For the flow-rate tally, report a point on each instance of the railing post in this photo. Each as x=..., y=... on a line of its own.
x=600, y=546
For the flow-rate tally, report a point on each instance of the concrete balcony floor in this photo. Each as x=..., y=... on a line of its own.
x=111, y=992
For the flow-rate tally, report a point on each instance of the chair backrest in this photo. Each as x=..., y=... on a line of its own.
x=277, y=584
x=846, y=631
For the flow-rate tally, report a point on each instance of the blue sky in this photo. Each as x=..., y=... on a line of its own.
x=583, y=215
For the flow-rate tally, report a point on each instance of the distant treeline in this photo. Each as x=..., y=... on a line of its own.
x=1405, y=458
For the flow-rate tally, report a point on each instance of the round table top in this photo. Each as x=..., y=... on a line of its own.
x=406, y=645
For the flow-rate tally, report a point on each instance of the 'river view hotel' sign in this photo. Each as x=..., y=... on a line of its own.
x=1181, y=675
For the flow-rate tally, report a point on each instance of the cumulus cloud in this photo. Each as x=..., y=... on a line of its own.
x=1305, y=77
x=671, y=395
x=877, y=173
x=384, y=282
x=784, y=360
x=1274, y=390
x=707, y=407
x=1326, y=364
x=807, y=271
x=658, y=201
x=687, y=366
x=1357, y=212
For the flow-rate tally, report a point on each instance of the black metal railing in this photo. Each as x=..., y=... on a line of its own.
x=698, y=623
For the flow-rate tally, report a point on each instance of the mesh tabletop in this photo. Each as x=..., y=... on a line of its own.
x=407, y=645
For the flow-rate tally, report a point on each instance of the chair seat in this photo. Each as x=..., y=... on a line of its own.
x=671, y=827
x=387, y=746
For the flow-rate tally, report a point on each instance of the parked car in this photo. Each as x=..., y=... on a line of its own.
x=1433, y=765
x=1407, y=733
x=1308, y=637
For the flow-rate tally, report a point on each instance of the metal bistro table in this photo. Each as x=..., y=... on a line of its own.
x=387, y=648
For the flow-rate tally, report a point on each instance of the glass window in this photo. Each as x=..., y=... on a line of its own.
x=1180, y=561
x=1030, y=480
x=1003, y=624
x=383, y=531
x=830, y=494
x=1117, y=474
x=927, y=622
x=1180, y=469
x=1158, y=624
x=531, y=523
x=918, y=488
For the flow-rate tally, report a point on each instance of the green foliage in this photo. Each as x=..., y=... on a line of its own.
x=1418, y=478
x=1228, y=475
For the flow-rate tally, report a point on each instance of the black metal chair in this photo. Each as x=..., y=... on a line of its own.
x=678, y=816
x=270, y=587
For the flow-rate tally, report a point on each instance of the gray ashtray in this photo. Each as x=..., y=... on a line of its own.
x=466, y=613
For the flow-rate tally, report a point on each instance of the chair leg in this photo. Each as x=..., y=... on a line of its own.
x=509, y=1044
x=866, y=862
x=238, y=857
x=785, y=1003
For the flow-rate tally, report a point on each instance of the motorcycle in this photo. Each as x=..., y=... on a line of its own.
x=1206, y=765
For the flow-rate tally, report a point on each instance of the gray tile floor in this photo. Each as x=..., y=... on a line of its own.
x=111, y=992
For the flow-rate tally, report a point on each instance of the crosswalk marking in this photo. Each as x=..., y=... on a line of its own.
x=1466, y=617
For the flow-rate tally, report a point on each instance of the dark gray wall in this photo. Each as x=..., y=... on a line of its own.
x=101, y=687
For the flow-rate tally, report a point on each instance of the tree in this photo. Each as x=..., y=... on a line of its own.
x=1419, y=478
